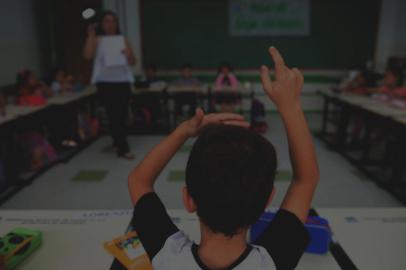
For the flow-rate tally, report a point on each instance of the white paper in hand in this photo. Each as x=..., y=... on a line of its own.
x=112, y=50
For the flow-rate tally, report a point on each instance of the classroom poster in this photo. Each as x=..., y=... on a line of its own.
x=269, y=17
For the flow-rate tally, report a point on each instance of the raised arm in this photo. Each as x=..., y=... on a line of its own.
x=219, y=81
x=285, y=93
x=89, y=49
x=142, y=179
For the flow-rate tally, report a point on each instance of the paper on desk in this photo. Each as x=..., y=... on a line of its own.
x=112, y=50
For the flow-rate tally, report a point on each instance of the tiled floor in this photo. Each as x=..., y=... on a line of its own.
x=340, y=185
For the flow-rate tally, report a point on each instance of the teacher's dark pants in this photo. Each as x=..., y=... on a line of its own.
x=115, y=98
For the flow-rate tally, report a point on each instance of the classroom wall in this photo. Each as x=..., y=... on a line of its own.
x=19, y=46
x=343, y=35
x=392, y=34
x=391, y=39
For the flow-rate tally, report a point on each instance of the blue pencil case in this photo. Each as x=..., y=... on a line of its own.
x=317, y=227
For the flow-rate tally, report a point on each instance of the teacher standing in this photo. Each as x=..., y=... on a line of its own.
x=113, y=82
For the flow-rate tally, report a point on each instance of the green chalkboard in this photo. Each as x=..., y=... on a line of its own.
x=342, y=35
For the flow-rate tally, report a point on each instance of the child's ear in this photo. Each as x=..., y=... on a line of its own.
x=188, y=202
x=271, y=196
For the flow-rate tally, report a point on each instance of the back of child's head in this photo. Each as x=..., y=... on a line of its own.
x=230, y=175
x=394, y=76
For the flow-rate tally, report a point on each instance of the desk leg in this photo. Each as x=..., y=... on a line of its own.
x=342, y=128
x=397, y=161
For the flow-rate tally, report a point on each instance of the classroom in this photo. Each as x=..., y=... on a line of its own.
x=202, y=134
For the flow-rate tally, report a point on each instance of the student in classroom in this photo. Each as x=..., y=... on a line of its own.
x=61, y=82
x=187, y=78
x=392, y=84
x=229, y=183
x=363, y=80
x=31, y=91
x=182, y=99
x=149, y=79
x=226, y=79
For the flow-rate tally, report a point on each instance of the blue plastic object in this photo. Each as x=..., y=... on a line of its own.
x=317, y=227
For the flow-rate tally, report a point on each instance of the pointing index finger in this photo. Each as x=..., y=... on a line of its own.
x=277, y=58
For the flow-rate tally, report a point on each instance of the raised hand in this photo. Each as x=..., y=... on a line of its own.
x=193, y=126
x=285, y=90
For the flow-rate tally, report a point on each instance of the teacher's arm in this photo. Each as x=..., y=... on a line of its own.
x=91, y=43
x=129, y=53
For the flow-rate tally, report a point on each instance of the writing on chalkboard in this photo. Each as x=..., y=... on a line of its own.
x=269, y=17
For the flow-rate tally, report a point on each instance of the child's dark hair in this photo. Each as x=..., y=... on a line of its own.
x=224, y=65
x=99, y=29
x=398, y=73
x=22, y=78
x=230, y=175
x=369, y=77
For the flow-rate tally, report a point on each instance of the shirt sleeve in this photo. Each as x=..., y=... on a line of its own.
x=152, y=223
x=285, y=239
x=219, y=81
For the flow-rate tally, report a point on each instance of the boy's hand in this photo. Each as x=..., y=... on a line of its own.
x=193, y=126
x=285, y=90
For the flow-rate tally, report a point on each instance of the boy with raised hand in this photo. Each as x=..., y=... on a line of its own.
x=229, y=183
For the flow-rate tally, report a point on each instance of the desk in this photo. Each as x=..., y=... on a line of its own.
x=74, y=239
x=150, y=90
x=373, y=238
x=18, y=111
x=242, y=90
x=351, y=114
x=19, y=119
x=6, y=118
x=66, y=98
x=383, y=109
x=401, y=120
x=200, y=89
x=356, y=99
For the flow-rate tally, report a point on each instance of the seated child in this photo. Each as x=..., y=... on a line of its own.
x=61, y=82
x=32, y=92
x=226, y=78
x=149, y=78
x=393, y=84
x=183, y=99
x=229, y=184
x=35, y=151
x=360, y=84
x=187, y=78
